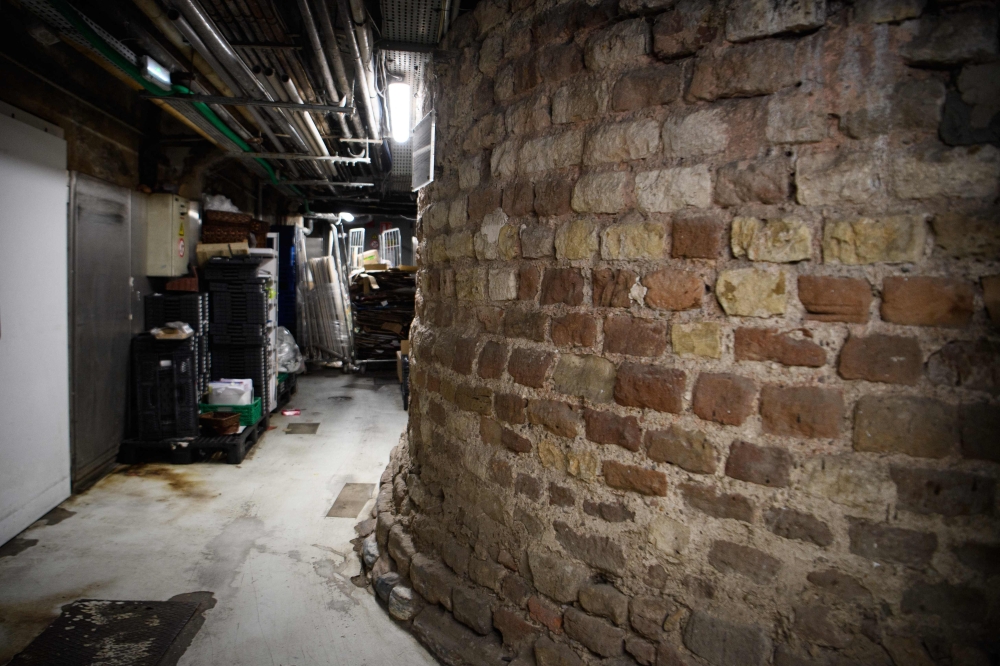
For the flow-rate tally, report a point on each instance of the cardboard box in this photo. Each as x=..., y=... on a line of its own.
x=206, y=251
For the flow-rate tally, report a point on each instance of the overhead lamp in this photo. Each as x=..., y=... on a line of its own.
x=154, y=72
x=399, y=111
x=346, y=217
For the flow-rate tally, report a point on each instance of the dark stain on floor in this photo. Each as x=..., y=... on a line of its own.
x=174, y=478
x=55, y=516
x=16, y=546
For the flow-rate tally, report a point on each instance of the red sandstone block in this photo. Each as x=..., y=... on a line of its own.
x=806, y=411
x=574, y=330
x=562, y=285
x=764, y=465
x=696, y=238
x=529, y=366
x=881, y=358
x=636, y=479
x=761, y=344
x=528, y=280
x=634, y=336
x=545, y=613
x=927, y=301
x=671, y=289
x=651, y=387
x=612, y=287
x=608, y=428
x=835, y=299
x=492, y=359
x=723, y=397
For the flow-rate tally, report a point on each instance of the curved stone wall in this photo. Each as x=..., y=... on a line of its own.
x=706, y=362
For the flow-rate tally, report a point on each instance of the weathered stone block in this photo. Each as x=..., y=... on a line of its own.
x=849, y=480
x=609, y=428
x=980, y=424
x=560, y=62
x=756, y=565
x=652, y=387
x=926, y=172
x=751, y=292
x=697, y=339
x=696, y=237
x=690, y=450
x=563, y=285
x=583, y=465
x=603, y=192
x=531, y=115
x=618, y=45
x=633, y=240
x=553, y=197
x=503, y=284
x=718, y=505
x=798, y=116
x=954, y=38
x=574, y=330
x=551, y=152
x=612, y=513
x=557, y=417
x=763, y=465
x=472, y=608
x=723, y=397
x=634, y=336
x=779, y=240
x=895, y=239
x=833, y=178
x=835, y=299
x=955, y=604
x=451, y=642
x=635, y=479
x=698, y=133
x=529, y=367
x=927, y=301
x=622, y=142
x=589, y=376
x=647, y=614
x=525, y=324
x=944, y=492
x=671, y=289
x=887, y=11
x=578, y=239
x=724, y=643
x=981, y=557
x=432, y=580
x=492, y=360
x=510, y=408
x=754, y=19
x=579, y=101
x=882, y=543
x=648, y=86
x=401, y=548
x=684, y=29
x=881, y=358
x=668, y=536
x=762, y=344
x=600, y=552
x=613, y=288
x=516, y=631
x=556, y=576
x=546, y=613
x=537, y=240
x=920, y=427
x=792, y=524
x=487, y=573
x=806, y=411
x=605, y=601
x=965, y=236
x=746, y=70
x=548, y=653
x=403, y=603
x=669, y=190
x=973, y=365
x=765, y=182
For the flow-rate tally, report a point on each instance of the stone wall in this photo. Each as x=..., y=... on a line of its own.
x=706, y=364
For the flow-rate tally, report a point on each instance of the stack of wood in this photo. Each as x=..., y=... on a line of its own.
x=383, y=304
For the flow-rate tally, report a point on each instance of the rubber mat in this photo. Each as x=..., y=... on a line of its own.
x=91, y=632
x=302, y=428
x=351, y=500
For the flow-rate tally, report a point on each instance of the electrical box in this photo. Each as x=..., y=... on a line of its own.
x=166, y=244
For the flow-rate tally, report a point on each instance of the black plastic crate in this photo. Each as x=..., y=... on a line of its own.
x=239, y=307
x=165, y=389
x=159, y=309
x=232, y=268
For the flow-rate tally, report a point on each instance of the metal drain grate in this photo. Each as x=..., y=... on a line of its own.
x=351, y=500
x=90, y=631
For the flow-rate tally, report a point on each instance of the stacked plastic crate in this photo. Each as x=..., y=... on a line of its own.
x=192, y=309
x=237, y=330
x=164, y=388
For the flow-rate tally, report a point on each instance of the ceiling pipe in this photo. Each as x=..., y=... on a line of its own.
x=292, y=93
x=333, y=51
x=234, y=65
x=192, y=37
x=344, y=16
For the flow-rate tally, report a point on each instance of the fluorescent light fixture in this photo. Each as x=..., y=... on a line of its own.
x=399, y=111
x=347, y=217
x=154, y=72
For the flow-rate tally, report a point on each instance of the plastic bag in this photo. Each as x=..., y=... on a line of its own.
x=289, y=356
x=220, y=202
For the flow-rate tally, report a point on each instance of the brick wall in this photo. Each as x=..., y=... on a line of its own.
x=706, y=365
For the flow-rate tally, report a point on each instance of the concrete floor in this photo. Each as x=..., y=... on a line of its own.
x=254, y=535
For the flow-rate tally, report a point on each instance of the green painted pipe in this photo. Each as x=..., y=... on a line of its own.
x=123, y=64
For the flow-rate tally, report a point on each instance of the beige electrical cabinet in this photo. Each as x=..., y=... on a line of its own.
x=167, y=246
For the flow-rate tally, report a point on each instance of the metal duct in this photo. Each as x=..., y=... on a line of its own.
x=359, y=68
x=333, y=51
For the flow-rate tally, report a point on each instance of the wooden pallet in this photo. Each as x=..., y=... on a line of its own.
x=185, y=452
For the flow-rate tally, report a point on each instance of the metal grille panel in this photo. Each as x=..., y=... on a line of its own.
x=412, y=20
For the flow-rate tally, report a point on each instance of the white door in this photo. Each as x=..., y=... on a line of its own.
x=34, y=331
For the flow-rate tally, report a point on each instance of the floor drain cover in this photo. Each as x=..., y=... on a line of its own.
x=302, y=428
x=351, y=500
x=341, y=398
x=90, y=632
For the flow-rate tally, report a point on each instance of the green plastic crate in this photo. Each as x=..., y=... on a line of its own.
x=249, y=414
x=282, y=376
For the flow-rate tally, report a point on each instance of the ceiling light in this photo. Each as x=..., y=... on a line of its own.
x=154, y=72
x=399, y=111
x=347, y=217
